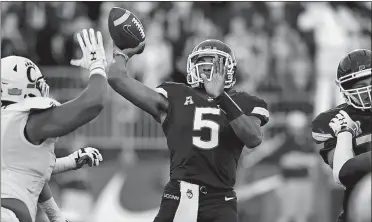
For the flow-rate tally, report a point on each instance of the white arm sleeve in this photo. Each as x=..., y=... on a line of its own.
x=52, y=210
x=64, y=164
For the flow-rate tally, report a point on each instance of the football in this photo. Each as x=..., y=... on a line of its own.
x=125, y=28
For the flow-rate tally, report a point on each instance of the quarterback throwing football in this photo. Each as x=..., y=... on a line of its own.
x=206, y=124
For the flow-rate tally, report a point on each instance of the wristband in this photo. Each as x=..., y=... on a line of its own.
x=98, y=71
x=229, y=107
x=116, y=52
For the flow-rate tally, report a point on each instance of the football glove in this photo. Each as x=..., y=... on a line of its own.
x=343, y=123
x=88, y=155
x=94, y=56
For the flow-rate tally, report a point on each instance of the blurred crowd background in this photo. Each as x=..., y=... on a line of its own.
x=287, y=53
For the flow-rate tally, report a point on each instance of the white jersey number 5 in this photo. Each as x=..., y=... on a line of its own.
x=200, y=123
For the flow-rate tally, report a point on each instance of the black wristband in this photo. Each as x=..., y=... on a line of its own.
x=229, y=107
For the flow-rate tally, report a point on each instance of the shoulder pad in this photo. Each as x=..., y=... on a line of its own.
x=34, y=103
x=321, y=131
x=252, y=105
x=170, y=84
x=165, y=87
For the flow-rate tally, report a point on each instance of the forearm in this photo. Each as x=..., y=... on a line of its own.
x=343, y=152
x=45, y=194
x=134, y=91
x=64, y=164
x=95, y=92
x=248, y=130
x=355, y=169
x=47, y=203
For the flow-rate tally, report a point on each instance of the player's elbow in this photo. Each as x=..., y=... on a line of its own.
x=354, y=169
x=254, y=141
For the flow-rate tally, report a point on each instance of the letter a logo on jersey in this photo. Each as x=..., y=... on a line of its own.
x=188, y=101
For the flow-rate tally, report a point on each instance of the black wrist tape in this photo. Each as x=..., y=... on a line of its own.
x=229, y=107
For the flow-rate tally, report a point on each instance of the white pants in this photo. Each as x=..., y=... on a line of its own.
x=8, y=215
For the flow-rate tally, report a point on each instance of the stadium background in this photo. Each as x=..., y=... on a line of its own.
x=287, y=54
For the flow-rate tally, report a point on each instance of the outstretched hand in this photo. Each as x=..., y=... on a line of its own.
x=94, y=56
x=215, y=86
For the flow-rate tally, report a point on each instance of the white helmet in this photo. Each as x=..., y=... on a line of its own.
x=21, y=78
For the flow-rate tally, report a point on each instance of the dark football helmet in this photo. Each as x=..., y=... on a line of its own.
x=355, y=79
x=210, y=48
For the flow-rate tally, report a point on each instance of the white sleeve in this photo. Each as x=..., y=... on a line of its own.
x=162, y=91
x=34, y=103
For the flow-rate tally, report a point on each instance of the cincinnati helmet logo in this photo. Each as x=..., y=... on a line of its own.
x=30, y=66
x=32, y=78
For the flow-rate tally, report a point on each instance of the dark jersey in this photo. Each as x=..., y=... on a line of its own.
x=323, y=134
x=203, y=146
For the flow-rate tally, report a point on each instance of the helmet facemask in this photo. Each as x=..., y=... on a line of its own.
x=195, y=67
x=42, y=87
x=358, y=97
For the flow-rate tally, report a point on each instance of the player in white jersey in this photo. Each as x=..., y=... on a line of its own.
x=31, y=123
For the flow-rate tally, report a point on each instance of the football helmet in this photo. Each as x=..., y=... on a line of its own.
x=352, y=69
x=21, y=78
x=210, y=48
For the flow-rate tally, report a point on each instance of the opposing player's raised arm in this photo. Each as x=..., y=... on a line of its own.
x=136, y=92
x=63, y=119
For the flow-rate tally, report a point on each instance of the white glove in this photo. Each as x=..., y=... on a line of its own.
x=343, y=123
x=88, y=155
x=94, y=56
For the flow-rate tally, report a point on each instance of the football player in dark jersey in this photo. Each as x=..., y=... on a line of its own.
x=345, y=131
x=206, y=124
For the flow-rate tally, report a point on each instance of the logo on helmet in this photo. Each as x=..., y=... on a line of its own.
x=30, y=66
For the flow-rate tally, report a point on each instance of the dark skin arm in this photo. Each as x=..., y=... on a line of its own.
x=136, y=92
x=45, y=194
x=61, y=120
x=248, y=130
x=330, y=157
